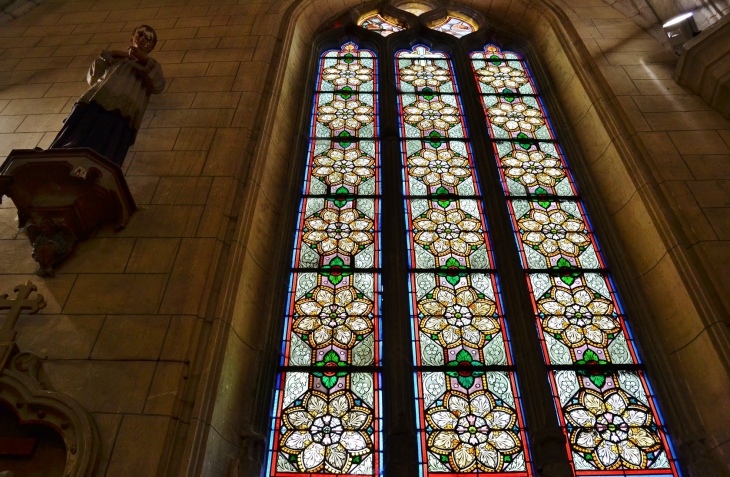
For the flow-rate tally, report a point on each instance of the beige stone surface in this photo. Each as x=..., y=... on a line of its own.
x=108, y=425
x=9, y=124
x=16, y=257
x=118, y=387
x=116, y=293
x=142, y=188
x=184, y=163
x=131, y=337
x=182, y=190
x=194, y=139
x=59, y=336
x=9, y=224
x=55, y=291
x=158, y=139
x=160, y=221
x=102, y=255
x=138, y=432
x=163, y=392
x=186, y=287
x=153, y=255
x=177, y=340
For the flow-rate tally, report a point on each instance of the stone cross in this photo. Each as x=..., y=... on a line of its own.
x=15, y=306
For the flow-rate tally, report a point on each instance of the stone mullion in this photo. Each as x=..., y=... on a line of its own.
x=400, y=419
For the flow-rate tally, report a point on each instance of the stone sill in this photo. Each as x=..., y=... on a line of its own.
x=704, y=66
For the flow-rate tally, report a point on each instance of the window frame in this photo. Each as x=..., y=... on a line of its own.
x=544, y=434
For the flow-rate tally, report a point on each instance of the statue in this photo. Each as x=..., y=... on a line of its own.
x=64, y=193
x=107, y=117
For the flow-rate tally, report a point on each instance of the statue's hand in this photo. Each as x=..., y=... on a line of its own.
x=138, y=54
x=119, y=54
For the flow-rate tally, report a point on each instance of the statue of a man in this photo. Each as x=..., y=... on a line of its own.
x=107, y=117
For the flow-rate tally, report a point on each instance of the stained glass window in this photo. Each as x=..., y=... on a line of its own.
x=468, y=406
x=378, y=24
x=604, y=401
x=414, y=8
x=326, y=416
x=454, y=26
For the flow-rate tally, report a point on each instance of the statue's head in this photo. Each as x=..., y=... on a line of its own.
x=144, y=38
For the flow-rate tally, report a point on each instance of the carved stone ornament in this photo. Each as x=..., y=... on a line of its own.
x=23, y=390
x=62, y=195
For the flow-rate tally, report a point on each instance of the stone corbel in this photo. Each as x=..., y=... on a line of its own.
x=62, y=196
x=704, y=66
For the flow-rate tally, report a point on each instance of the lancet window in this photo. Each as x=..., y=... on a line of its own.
x=603, y=398
x=327, y=413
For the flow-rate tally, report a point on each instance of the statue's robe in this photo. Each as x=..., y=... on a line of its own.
x=107, y=117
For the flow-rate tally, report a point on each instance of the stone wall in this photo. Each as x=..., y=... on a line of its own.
x=706, y=12
x=652, y=14
x=123, y=310
x=159, y=330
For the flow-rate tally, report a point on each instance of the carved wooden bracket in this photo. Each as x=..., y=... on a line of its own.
x=62, y=195
x=23, y=390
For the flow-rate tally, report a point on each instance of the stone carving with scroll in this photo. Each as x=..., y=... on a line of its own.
x=23, y=389
x=64, y=193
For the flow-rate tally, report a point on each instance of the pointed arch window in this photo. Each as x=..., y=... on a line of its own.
x=327, y=416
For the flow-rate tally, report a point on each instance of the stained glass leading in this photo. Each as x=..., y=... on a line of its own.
x=378, y=24
x=604, y=400
x=454, y=26
x=469, y=412
x=326, y=417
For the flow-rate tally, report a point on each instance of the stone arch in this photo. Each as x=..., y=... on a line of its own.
x=642, y=231
x=22, y=391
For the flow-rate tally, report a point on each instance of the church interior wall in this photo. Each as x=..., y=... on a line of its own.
x=705, y=12
x=165, y=331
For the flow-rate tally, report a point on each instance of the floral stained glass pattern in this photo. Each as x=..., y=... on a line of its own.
x=604, y=400
x=468, y=405
x=454, y=26
x=380, y=25
x=326, y=417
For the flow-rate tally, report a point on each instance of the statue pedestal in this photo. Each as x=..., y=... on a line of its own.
x=62, y=195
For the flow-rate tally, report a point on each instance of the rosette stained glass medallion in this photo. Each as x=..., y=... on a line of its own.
x=326, y=417
x=469, y=413
x=454, y=26
x=378, y=24
x=604, y=401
